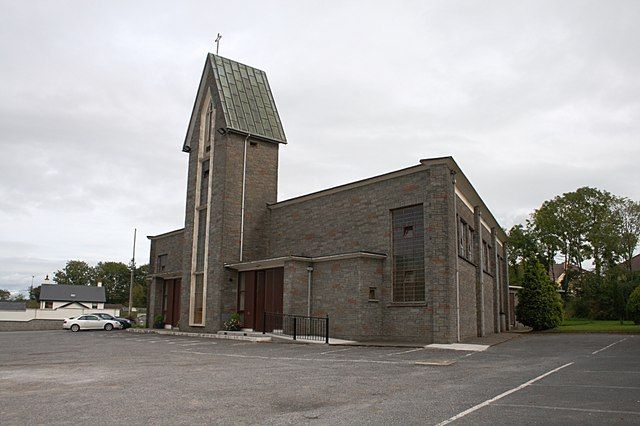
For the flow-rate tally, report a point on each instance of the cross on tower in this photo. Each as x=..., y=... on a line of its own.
x=217, y=41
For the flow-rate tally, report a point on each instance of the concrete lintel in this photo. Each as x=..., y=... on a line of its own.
x=279, y=261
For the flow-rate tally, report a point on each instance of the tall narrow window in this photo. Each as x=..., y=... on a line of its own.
x=208, y=127
x=470, y=238
x=485, y=255
x=408, y=254
x=204, y=183
x=462, y=238
x=198, y=299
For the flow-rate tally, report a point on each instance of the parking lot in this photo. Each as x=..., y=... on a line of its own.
x=117, y=377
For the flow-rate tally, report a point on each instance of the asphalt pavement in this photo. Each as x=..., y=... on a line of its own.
x=59, y=377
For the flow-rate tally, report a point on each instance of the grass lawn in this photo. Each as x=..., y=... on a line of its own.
x=575, y=325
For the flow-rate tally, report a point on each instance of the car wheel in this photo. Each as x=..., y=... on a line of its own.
x=108, y=327
x=75, y=327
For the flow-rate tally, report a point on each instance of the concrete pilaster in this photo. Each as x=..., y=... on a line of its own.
x=496, y=282
x=505, y=286
x=479, y=274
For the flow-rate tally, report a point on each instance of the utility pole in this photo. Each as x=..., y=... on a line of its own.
x=133, y=268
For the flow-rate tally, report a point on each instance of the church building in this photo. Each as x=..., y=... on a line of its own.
x=414, y=254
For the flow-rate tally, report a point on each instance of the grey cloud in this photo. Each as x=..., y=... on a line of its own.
x=532, y=99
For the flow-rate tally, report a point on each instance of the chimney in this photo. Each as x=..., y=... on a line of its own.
x=46, y=280
x=99, y=283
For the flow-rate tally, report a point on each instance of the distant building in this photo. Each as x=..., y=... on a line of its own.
x=414, y=254
x=633, y=264
x=558, y=271
x=57, y=296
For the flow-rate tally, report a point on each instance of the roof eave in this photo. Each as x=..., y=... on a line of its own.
x=475, y=197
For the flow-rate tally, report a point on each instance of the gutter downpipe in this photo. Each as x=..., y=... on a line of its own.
x=244, y=185
x=455, y=215
x=309, y=275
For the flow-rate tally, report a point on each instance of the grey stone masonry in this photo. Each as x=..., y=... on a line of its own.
x=169, y=245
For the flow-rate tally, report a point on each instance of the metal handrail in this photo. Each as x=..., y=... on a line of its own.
x=297, y=326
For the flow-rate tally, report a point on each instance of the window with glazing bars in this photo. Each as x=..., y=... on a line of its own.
x=408, y=254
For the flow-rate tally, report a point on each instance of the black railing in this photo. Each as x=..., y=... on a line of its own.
x=296, y=326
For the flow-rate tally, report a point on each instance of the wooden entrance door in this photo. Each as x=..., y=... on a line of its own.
x=262, y=291
x=171, y=303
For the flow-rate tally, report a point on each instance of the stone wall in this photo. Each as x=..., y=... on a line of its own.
x=172, y=245
x=359, y=219
x=33, y=325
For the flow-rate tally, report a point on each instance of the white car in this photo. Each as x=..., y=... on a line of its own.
x=90, y=322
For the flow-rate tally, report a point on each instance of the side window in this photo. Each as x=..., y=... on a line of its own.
x=161, y=263
x=408, y=254
x=48, y=305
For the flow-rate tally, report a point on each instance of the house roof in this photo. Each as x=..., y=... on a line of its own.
x=247, y=103
x=71, y=293
x=635, y=263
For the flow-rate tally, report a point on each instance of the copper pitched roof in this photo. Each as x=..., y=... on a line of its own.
x=245, y=97
x=247, y=101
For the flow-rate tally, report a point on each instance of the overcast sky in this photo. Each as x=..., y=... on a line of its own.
x=532, y=99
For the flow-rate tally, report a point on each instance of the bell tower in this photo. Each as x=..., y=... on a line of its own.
x=233, y=139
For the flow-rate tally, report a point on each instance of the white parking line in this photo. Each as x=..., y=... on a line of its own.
x=502, y=395
x=338, y=350
x=288, y=358
x=197, y=343
x=586, y=386
x=584, y=410
x=608, y=346
x=405, y=352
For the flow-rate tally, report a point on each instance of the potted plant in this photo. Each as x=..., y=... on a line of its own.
x=158, y=321
x=233, y=323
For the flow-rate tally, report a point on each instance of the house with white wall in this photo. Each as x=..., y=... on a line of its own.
x=58, y=296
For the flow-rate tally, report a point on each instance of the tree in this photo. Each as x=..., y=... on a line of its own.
x=75, y=272
x=5, y=294
x=539, y=305
x=630, y=226
x=140, y=286
x=115, y=278
x=34, y=293
x=522, y=245
x=19, y=298
x=633, y=306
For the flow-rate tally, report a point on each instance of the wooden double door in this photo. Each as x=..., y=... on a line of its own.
x=171, y=301
x=259, y=292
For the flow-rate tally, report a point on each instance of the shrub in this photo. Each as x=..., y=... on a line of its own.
x=633, y=305
x=539, y=305
x=233, y=323
x=158, y=321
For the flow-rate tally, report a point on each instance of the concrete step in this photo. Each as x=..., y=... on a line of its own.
x=237, y=335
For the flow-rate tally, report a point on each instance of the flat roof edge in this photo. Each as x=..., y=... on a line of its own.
x=347, y=186
x=166, y=234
